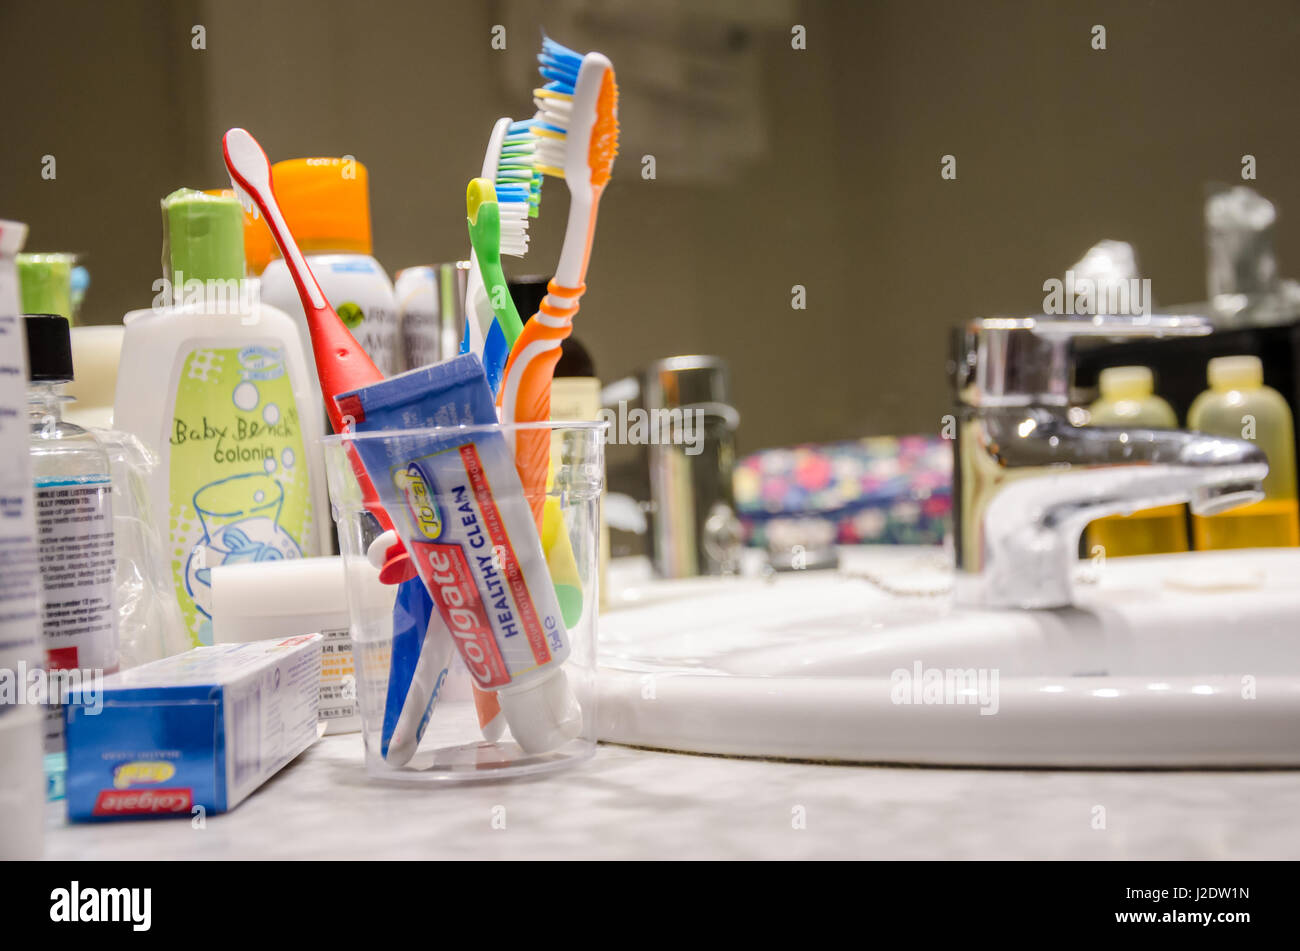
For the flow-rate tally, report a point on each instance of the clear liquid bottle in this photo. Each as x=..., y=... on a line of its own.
x=1128, y=399
x=74, y=528
x=1239, y=405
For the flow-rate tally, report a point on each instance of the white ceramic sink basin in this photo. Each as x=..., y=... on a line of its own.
x=1183, y=660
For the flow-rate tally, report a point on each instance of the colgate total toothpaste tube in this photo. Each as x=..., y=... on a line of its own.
x=457, y=503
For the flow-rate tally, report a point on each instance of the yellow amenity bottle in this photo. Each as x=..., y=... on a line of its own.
x=1238, y=404
x=1128, y=399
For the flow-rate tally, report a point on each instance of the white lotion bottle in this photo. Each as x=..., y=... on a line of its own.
x=216, y=384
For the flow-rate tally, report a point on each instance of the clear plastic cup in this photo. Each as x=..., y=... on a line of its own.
x=453, y=746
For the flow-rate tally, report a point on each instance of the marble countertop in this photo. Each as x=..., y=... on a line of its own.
x=628, y=803
x=631, y=803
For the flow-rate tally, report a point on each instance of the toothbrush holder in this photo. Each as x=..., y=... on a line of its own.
x=506, y=603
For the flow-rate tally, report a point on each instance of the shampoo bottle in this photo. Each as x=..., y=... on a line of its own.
x=1239, y=405
x=1128, y=399
x=216, y=384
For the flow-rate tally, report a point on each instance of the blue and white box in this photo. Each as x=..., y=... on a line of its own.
x=198, y=731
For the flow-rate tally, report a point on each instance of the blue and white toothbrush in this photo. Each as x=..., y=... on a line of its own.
x=509, y=163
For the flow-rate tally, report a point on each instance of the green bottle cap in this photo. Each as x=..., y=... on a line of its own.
x=203, y=238
x=46, y=283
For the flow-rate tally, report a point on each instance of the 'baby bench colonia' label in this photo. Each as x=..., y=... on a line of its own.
x=238, y=470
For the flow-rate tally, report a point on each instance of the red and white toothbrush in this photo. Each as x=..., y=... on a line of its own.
x=341, y=363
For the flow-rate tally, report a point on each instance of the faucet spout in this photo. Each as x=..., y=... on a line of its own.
x=1219, y=497
x=1029, y=482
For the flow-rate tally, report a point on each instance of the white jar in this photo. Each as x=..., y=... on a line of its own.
x=254, y=602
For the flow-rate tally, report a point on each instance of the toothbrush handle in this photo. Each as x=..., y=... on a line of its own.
x=341, y=362
x=526, y=389
x=496, y=351
x=476, y=324
x=525, y=397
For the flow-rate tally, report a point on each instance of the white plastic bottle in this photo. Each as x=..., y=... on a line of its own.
x=431, y=303
x=22, y=782
x=416, y=293
x=216, y=384
x=326, y=204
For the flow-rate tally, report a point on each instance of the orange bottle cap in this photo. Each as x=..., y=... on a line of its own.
x=325, y=202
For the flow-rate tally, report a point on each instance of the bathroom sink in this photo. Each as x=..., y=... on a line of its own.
x=1174, y=660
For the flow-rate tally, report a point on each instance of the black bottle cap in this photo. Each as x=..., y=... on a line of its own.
x=574, y=359
x=527, y=292
x=49, y=348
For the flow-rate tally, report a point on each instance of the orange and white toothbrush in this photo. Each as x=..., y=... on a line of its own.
x=576, y=126
x=577, y=138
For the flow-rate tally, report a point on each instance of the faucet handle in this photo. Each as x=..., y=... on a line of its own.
x=1027, y=361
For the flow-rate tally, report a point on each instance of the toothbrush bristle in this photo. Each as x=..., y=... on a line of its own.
x=518, y=166
x=518, y=187
x=560, y=66
x=604, y=131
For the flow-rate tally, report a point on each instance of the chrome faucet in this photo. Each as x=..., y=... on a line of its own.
x=1027, y=479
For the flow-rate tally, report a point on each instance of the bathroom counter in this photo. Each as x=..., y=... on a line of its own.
x=637, y=803
x=631, y=803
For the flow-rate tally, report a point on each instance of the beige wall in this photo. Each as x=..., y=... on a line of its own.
x=1057, y=146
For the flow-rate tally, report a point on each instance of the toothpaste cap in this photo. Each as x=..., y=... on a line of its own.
x=543, y=715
